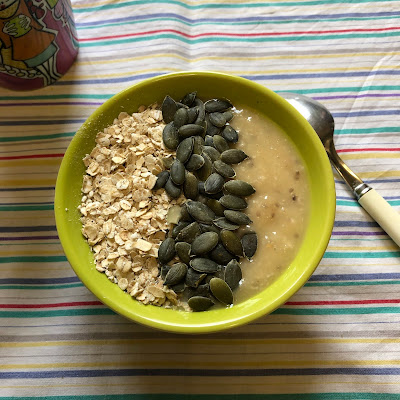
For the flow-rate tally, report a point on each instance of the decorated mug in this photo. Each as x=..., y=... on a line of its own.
x=38, y=42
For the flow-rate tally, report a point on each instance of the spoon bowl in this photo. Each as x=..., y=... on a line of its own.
x=321, y=120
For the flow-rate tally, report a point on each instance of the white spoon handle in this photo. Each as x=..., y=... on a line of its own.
x=383, y=213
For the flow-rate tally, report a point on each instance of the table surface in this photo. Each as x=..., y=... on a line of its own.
x=337, y=338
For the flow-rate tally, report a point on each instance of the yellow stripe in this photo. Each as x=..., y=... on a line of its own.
x=27, y=182
x=243, y=59
x=362, y=248
x=31, y=162
x=209, y=342
x=359, y=156
x=234, y=72
x=194, y=364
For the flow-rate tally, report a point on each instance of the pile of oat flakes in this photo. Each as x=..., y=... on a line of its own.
x=123, y=220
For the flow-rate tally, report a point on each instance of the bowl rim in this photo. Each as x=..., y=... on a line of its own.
x=314, y=260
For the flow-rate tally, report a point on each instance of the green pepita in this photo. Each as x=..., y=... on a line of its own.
x=183, y=250
x=233, y=202
x=170, y=136
x=168, y=109
x=176, y=229
x=162, y=178
x=200, y=303
x=214, y=183
x=239, y=188
x=195, y=162
x=212, y=152
x=221, y=291
x=216, y=206
x=194, y=278
x=217, y=119
x=192, y=115
x=220, y=255
x=181, y=117
x=176, y=274
x=220, y=143
x=230, y=134
x=200, y=212
x=189, y=233
x=237, y=217
x=172, y=190
x=217, y=105
x=249, y=243
x=189, y=98
x=198, y=145
x=190, y=186
x=204, y=265
x=205, y=171
x=233, y=156
x=224, y=169
x=204, y=243
x=231, y=242
x=223, y=223
x=185, y=149
x=233, y=274
x=177, y=172
x=166, y=251
x=190, y=130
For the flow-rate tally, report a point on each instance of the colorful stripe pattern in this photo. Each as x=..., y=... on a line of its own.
x=337, y=338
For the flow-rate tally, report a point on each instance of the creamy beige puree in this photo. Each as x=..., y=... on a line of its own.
x=279, y=208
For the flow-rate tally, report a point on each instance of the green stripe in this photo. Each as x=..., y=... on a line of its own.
x=366, y=254
x=337, y=311
x=361, y=131
x=235, y=23
x=352, y=283
x=354, y=203
x=42, y=207
x=56, y=313
x=225, y=5
x=33, y=259
x=36, y=137
x=239, y=39
x=44, y=287
x=165, y=396
x=302, y=91
x=280, y=311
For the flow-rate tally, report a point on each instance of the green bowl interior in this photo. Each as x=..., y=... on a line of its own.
x=208, y=85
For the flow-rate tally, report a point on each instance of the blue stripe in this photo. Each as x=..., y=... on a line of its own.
x=36, y=281
x=42, y=228
x=26, y=189
x=85, y=373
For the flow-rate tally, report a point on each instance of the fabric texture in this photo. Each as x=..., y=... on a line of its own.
x=337, y=338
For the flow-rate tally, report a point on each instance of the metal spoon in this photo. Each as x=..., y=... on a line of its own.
x=324, y=125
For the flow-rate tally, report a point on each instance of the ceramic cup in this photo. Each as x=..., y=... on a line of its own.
x=38, y=42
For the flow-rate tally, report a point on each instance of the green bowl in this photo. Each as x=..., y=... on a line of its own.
x=208, y=85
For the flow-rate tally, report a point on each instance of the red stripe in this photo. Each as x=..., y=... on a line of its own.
x=235, y=34
x=340, y=302
x=369, y=149
x=32, y=156
x=53, y=305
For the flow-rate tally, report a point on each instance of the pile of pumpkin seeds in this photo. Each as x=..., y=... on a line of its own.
x=200, y=256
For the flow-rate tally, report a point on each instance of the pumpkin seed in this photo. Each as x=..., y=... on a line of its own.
x=185, y=149
x=229, y=134
x=190, y=186
x=223, y=223
x=168, y=109
x=192, y=114
x=214, y=183
x=233, y=274
x=179, y=287
x=167, y=162
x=198, y=145
x=172, y=190
x=204, y=265
x=208, y=141
x=200, y=303
x=170, y=136
x=222, y=292
x=200, y=212
x=204, y=243
x=220, y=255
x=233, y=156
x=224, y=169
x=208, y=228
x=195, y=162
x=177, y=172
x=176, y=229
x=189, y=233
x=217, y=105
x=202, y=112
x=164, y=270
x=237, y=217
x=183, y=250
x=162, y=178
x=231, y=242
x=190, y=130
x=176, y=274
x=217, y=119
x=239, y=188
x=201, y=188
x=228, y=115
x=166, y=251
x=220, y=143
x=185, y=216
x=215, y=196
x=216, y=206
x=211, y=129
x=193, y=278
x=249, y=243
x=181, y=117
x=205, y=171
x=188, y=98
x=233, y=202
x=212, y=152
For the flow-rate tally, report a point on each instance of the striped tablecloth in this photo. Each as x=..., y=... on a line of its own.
x=337, y=338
